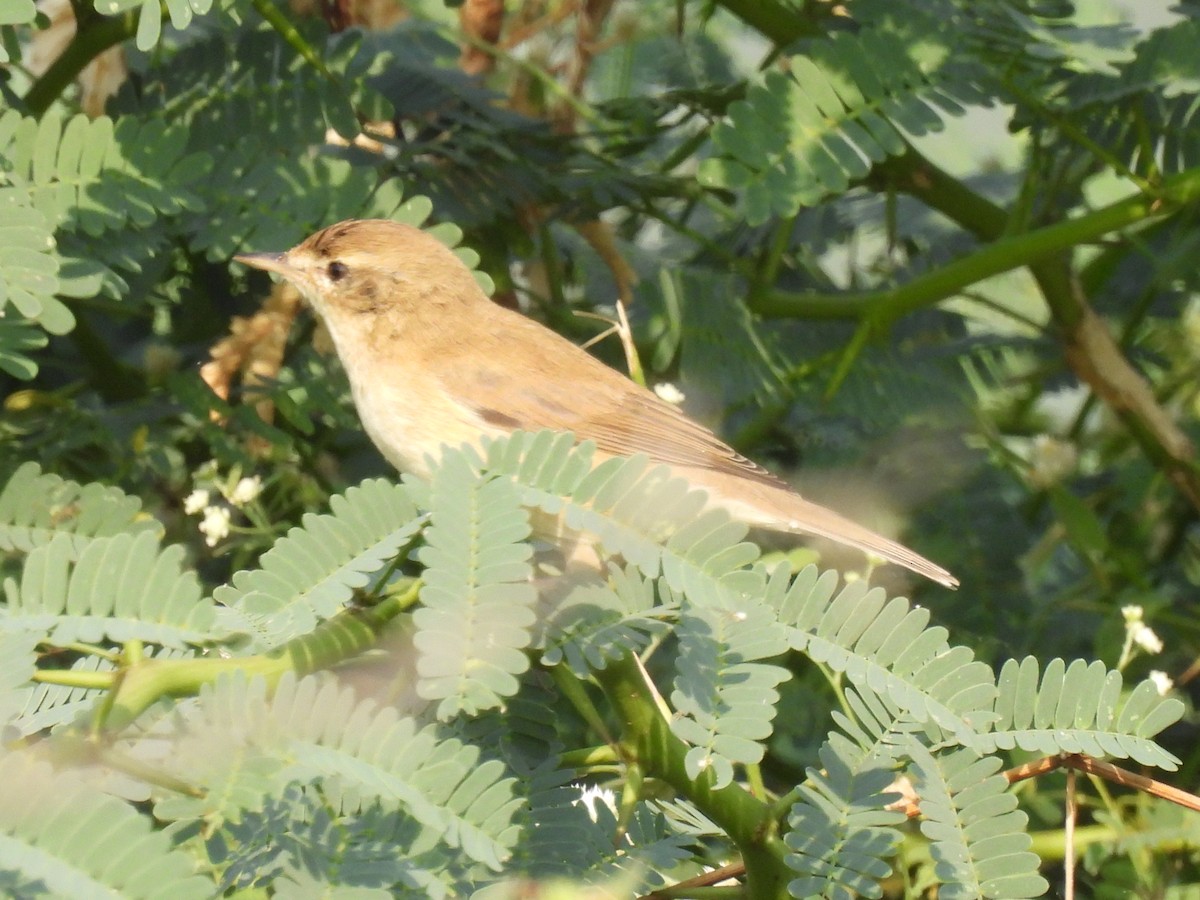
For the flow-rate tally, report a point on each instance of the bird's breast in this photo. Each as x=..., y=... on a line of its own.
x=410, y=420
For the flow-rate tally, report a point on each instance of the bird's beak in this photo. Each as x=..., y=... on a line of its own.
x=268, y=262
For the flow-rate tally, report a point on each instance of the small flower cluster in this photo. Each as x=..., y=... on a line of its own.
x=1051, y=461
x=1140, y=636
x=234, y=492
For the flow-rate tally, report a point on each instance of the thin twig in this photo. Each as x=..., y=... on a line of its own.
x=1108, y=772
x=1072, y=813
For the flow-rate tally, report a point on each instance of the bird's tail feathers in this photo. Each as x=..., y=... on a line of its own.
x=782, y=510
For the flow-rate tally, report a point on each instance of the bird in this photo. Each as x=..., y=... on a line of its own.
x=433, y=362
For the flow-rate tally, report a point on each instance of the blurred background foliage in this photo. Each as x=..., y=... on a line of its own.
x=935, y=262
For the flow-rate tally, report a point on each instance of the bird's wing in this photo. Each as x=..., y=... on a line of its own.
x=563, y=388
x=569, y=390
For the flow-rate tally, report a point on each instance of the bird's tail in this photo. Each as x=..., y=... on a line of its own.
x=782, y=510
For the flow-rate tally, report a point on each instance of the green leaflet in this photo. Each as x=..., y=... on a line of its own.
x=725, y=701
x=312, y=572
x=1078, y=709
x=35, y=508
x=980, y=847
x=29, y=277
x=121, y=588
x=841, y=836
x=63, y=837
x=477, y=614
x=244, y=747
x=846, y=104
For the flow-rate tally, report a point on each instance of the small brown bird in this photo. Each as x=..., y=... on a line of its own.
x=432, y=361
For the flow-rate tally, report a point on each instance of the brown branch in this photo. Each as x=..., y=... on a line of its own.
x=704, y=879
x=1093, y=354
x=1090, y=349
x=1108, y=772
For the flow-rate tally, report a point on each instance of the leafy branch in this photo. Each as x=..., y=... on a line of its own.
x=1026, y=249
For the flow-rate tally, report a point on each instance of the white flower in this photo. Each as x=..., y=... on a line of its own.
x=1050, y=460
x=195, y=501
x=245, y=490
x=1132, y=614
x=669, y=392
x=1162, y=681
x=1144, y=637
x=215, y=525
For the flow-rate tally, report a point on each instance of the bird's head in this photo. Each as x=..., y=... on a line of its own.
x=370, y=267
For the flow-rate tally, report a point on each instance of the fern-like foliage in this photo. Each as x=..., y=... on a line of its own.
x=886, y=645
x=310, y=574
x=264, y=80
x=596, y=623
x=477, y=614
x=561, y=838
x=17, y=662
x=63, y=838
x=841, y=835
x=35, y=508
x=844, y=106
x=719, y=691
x=725, y=354
x=570, y=831
x=243, y=747
x=256, y=126
x=468, y=790
x=637, y=511
x=96, y=175
x=29, y=276
x=91, y=178
x=46, y=707
x=298, y=845
x=980, y=847
x=17, y=340
x=1154, y=92
x=1079, y=709
x=121, y=588
x=250, y=215
x=479, y=159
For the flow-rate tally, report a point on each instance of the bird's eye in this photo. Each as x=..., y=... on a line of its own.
x=337, y=271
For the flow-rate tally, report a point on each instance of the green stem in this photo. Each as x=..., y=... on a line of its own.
x=336, y=640
x=937, y=189
x=647, y=738
x=573, y=689
x=71, y=678
x=590, y=758
x=768, y=272
x=283, y=25
x=1001, y=256
x=848, y=357
x=1088, y=347
x=92, y=39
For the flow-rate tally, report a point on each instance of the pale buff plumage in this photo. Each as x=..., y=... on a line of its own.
x=433, y=362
